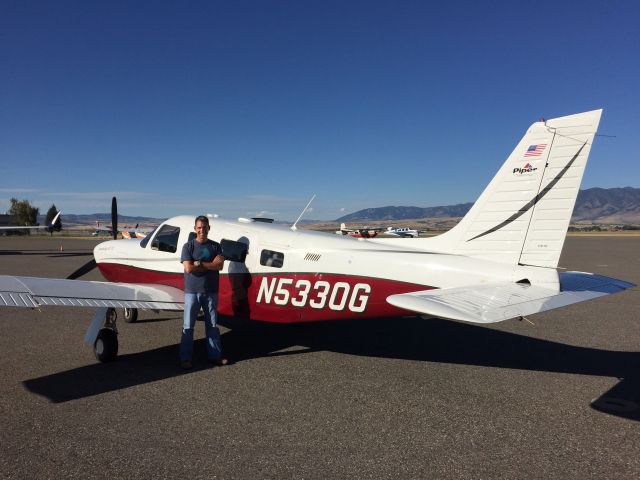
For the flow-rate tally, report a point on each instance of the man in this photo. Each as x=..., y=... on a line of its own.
x=202, y=260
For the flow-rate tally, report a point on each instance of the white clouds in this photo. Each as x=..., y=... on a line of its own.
x=19, y=190
x=166, y=204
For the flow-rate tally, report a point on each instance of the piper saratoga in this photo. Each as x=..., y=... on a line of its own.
x=498, y=263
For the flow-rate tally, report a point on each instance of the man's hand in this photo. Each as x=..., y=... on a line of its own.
x=217, y=263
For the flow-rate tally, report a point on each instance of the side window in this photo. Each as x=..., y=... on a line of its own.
x=167, y=239
x=269, y=258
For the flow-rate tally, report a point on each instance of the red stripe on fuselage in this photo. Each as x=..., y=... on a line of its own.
x=285, y=297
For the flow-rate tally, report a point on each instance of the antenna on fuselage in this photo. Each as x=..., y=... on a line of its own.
x=293, y=227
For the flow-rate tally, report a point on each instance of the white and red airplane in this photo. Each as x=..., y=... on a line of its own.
x=498, y=263
x=362, y=232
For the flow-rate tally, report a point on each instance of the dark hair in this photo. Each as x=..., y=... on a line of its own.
x=201, y=218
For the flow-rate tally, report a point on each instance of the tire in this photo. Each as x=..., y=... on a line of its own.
x=130, y=315
x=105, y=347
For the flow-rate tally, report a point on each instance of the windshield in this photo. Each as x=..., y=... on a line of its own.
x=145, y=240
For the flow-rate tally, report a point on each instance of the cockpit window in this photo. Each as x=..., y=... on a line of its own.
x=166, y=239
x=145, y=240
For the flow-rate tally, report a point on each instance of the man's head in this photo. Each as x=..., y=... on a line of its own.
x=201, y=228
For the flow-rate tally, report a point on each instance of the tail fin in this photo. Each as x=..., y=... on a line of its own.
x=523, y=215
x=52, y=225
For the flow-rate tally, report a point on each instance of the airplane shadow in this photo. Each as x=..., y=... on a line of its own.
x=406, y=338
x=156, y=319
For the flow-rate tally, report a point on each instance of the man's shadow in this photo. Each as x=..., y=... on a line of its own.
x=240, y=281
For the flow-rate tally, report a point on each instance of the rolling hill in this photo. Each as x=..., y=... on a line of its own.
x=594, y=205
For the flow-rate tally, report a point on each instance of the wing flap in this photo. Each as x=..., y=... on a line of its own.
x=500, y=301
x=35, y=292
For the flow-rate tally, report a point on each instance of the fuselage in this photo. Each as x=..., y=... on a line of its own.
x=298, y=275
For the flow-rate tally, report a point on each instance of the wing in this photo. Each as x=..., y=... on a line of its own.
x=500, y=301
x=35, y=292
x=33, y=227
x=28, y=227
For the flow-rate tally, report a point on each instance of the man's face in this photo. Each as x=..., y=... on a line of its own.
x=202, y=230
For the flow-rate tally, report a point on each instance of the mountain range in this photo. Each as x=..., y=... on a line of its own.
x=593, y=205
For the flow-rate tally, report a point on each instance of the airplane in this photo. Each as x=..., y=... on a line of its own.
x=126, y=233
x=49, y=228
x=364, y=232
x=102, y=231
x=401, y=232
x=499, y=262
x=136, y=232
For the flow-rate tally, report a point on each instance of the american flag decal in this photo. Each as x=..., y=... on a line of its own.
x=535, y=150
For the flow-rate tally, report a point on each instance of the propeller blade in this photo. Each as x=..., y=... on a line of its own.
x=114, y=217
x=84, y=269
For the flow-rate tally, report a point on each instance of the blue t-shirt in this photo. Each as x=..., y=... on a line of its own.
x=200, y=282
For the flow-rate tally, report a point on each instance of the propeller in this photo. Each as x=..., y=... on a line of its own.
x=91, y=264
x=114, y=217
x=83, y=270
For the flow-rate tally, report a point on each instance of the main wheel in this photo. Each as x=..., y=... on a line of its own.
x=130, y=315
x=106, y=346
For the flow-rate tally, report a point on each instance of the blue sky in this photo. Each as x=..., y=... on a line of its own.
x=250, y=107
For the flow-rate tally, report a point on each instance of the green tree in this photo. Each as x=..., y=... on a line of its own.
x=51, y=213
x=22, y=212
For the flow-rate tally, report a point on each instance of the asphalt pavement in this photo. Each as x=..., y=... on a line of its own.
x=404, y=397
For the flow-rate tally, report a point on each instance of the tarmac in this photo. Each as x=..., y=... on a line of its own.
x=404, y=397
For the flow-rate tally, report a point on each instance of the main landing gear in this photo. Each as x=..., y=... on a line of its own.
x=103, y=335
x=130, y=315
x=106, y=346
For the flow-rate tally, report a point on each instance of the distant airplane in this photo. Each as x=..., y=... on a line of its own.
x=401, y=232
x=106, y=231
x=126, y=233
x=49, y=228
x=362, y=232
x=136, y=232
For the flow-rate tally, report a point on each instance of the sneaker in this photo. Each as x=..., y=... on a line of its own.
x=186, y=365
x=220, y=362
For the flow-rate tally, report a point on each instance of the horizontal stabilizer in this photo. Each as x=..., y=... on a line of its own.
x=496, y=302
x=34, y=292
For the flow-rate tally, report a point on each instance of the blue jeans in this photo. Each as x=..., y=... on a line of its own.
x=192, y=304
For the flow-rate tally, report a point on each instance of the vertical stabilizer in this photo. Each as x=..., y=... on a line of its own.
x=573, y=137
x=523, y=215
